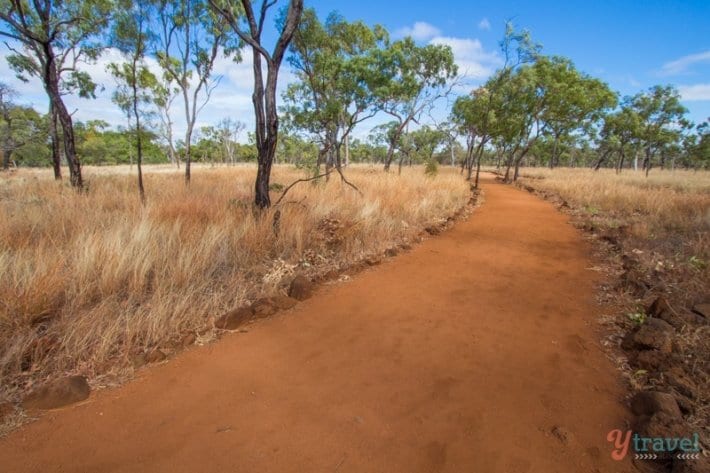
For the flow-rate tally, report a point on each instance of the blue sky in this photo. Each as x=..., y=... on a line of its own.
x=630, y=45
x=626, y=43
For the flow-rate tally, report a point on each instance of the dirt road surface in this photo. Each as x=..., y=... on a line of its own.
x=477, y=351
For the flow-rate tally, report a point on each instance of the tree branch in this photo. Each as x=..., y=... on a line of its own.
x=297, y=181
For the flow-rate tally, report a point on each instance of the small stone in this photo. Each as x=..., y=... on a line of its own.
x=155, y=356
x=662, y=425
x=655, y=334
x=661, y=309
x=432, y=230
x=687, y=407
x=676, y=378
x=263, y=308
x=58, y=393
x=633, y=281
x=658, y=306
x=232, y=320
x=562, y=434
x=373, y=261
x=702, y=309
x=301, y=288
x=330, y=275
x=138, y=360
x=283, y=302
x=692, y=318
x=188, y=339
x=391, y=252
x=648, y=403
x=6, y=410
x=650, y=360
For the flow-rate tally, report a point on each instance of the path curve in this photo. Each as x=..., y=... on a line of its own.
x=461, y=355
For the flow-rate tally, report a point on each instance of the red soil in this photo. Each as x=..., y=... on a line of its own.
x=477, y=351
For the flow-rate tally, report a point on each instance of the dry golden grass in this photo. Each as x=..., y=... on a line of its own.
x=90, y=279
x=677, y=200
x=665, y=218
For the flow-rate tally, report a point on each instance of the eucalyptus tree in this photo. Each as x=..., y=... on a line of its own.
x=228, y=131
x=450, y=133
x=367, y=151
x=336, y=68
x=249, y=27
x=619, y=134
x=191, y=37
x=425, y=141
x=394, y=141
x=701, y=151
x=72, y=80
x=293, y=149
x=484, y=115
x=165, y=95
x=416, y=77
x=696, y=146
x=547, y=97
x=54, y=35
x=661, y=120
x=475, y=116
x=523, y=100
x=20, y=127
x=574, y=101
x=132, y=36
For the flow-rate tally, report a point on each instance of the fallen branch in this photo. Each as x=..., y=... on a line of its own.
x=308, y=179
x=288, y=188
x=342, y=176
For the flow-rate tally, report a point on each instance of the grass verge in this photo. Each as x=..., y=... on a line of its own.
x=91, y=280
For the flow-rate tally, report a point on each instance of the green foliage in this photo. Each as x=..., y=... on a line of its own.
x=638, y=317
x=410, y=73
x=650, y=122
x=276, y=187
x=697, y=263
x=336, y=67
x=367, y=152
x=23, y=132
x=72, y=28
x=412, y=78
x=98, y=145
x=431, y=168
x=592, y=210
x=425, y=141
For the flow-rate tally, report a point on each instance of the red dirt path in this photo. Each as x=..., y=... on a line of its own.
x=459, y=356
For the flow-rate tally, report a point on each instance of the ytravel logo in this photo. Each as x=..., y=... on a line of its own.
x=653, y=448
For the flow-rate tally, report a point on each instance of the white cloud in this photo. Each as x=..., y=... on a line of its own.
x=420, y=31
x=474, y=62
x=484, y=25
x=695, y=92
x=681, y=65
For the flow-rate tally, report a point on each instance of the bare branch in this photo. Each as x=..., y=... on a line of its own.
x=229, y=16
x=297, y=181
